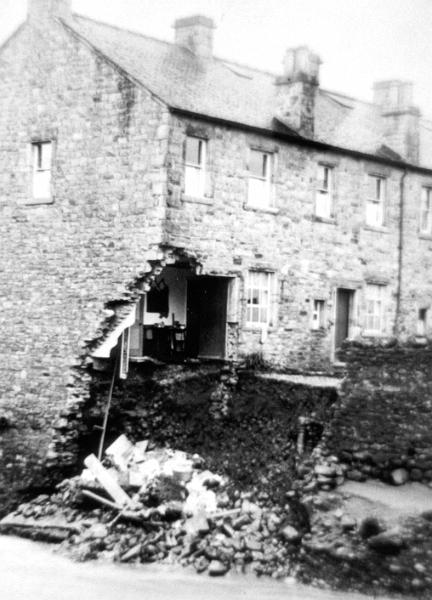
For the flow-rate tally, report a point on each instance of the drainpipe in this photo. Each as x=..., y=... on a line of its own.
x=396, y=328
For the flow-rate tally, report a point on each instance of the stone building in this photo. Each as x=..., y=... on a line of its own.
x=159, y=202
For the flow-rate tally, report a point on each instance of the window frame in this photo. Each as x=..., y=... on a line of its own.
x=373, y=314
x=200, y=168
x=266, y=179
x=422, y=321
x=42, y=167
x=318, y=314
x=268, y=306
x=426, y=193
x=322, y=191
x=378, y=201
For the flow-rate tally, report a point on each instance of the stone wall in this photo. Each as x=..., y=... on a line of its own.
x=311, y=257
x=63, y=261
x=382, y=421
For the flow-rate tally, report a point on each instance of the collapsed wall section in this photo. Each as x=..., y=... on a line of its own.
x=243, y=424
x=383, y=419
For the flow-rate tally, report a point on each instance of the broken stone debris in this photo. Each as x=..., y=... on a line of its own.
x=147, y=504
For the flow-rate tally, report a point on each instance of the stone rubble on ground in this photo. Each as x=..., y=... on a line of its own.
x=174, y=511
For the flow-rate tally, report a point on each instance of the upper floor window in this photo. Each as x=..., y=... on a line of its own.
x=324, y=193
x=375, y=201
x=426, y=211
x=260, y=176
x=42, y=159
x=375, y=309
x=195, y=167
x=258, y=297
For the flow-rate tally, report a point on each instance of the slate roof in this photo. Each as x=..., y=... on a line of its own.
x=222, y=89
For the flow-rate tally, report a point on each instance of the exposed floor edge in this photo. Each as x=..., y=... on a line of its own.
x=321, y=381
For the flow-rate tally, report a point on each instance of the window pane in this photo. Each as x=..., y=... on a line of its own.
x=323, y=205
x=324, y=178
x=258, y=193
x=374, y=321
x=425, y=214
x=193, y=151
x=258, y=297
x=194, y=181
x=45, y=158
x=258, y=164
x=42, y=184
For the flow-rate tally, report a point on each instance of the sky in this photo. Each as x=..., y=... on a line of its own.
x=359, y=41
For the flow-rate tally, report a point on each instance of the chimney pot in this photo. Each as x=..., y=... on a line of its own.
x=301, y=64
x=196, y=34
x=297, y=90
x=393, y=95
x=400, y=117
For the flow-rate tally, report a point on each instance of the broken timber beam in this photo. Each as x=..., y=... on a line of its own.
x=107, y=481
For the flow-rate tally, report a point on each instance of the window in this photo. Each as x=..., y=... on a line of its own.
x=375, y=306
x=426, y=211
x=318, y=314
x=375, y=201
x=42, y=157
x=260, y=174
x=324, y=194
x=258, y=294
x=195, y=167
x=422, y=321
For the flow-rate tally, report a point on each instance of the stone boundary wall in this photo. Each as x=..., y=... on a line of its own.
x=383, y=420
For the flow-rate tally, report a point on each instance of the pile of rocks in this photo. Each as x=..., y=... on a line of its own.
x=146, y=504
x=320, y=472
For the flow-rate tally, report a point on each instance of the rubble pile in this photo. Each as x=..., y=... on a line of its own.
x=319, y=471
x=147, y=504
x=368, y=553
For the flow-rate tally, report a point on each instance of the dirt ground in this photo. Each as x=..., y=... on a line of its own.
x=31, y=570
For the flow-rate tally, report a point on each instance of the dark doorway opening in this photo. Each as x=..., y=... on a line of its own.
x=344, y=307
x=206, y=317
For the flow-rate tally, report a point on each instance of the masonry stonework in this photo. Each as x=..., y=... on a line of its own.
x=382, y=419
x=310, y=256
x=117, y=108
x=62, y=261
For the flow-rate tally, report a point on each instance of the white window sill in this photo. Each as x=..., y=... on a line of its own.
x=37, y=201
x=329, y=220
x=376, y=228
x=266, y=209
x=373, y=334
x=425, y=236
x=197, y=199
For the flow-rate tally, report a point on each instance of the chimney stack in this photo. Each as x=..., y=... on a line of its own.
x=41, y=10
x=400, y=117
x=297, y=89
x=196, y=34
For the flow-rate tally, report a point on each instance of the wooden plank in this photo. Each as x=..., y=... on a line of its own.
x=107, y=481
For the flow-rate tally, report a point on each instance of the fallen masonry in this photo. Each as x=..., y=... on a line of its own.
x=147, y=504
x=144, y=503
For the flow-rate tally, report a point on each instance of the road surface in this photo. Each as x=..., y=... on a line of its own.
x=31, y=571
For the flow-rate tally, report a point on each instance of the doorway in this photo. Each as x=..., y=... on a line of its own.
x=344, y=309
x=206, y=317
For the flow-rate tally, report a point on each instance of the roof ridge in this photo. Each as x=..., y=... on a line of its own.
x=347, y=96
x=123, y=29
x=226, y=61
x=169, y=43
